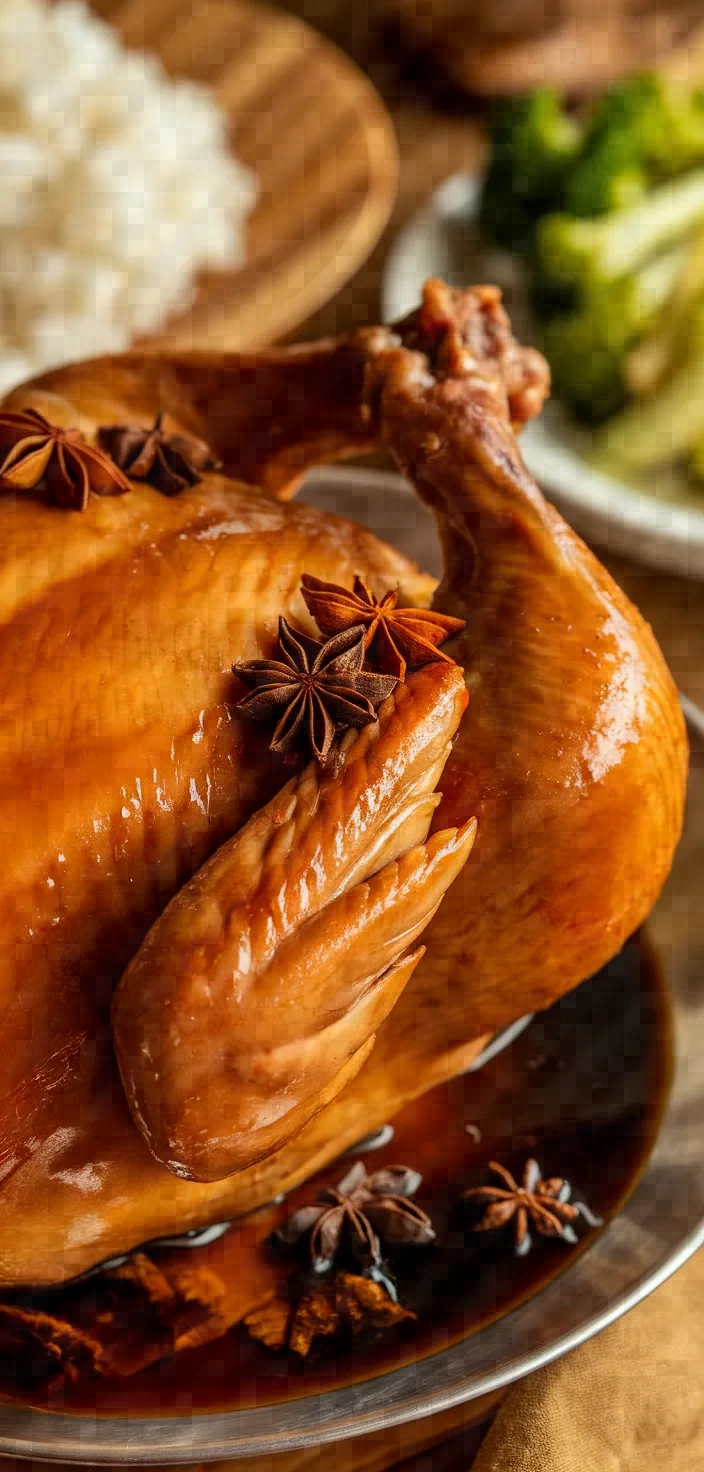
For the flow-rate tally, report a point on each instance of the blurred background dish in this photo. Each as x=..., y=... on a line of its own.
x=218, y=208
x=511, y=45
x=656, y=514
x=316, y=134
x=602, y=209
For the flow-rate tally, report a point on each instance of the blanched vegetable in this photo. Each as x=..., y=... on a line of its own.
x=533, y=143
x=588, y=348
x=607, y=211
x=657, y=354
x=585, y=252
x=644, y=130
x=665, y=427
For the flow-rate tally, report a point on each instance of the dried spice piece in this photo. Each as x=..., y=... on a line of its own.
x=130, y=1317
x=347, y=1306
x=395, y=638
x=364, y=1305
x=269, y=1322
x=183, y=1308
x=315, y=1317
x=39, y=1347
x=320, y=688
x=35, y=453
x=141, y=1273
x=358, y=1214
x=544, y=1203
x=165, y=458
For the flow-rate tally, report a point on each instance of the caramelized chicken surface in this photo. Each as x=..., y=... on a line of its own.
x=123, y=764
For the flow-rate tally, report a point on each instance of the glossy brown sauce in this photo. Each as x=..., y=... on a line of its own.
x=582, y=1090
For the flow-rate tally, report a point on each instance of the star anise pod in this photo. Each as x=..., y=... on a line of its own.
x=359, y=1214
x=545, y=1203
x=34, y=452
x=321, y=688
x=166, y=459
x=393, y=637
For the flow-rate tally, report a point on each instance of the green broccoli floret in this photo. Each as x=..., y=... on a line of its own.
x=583, y=252
x=533, y=142
x=548, y=298
x=611, y=172
x=643, y=130
x=586, y=359
x=588, y=349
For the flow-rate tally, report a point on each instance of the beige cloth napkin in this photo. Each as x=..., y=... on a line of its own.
x=631, y=1400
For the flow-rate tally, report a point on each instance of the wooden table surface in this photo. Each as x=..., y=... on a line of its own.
x=437, y=139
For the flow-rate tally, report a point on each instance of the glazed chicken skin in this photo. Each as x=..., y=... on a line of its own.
x=124, y=764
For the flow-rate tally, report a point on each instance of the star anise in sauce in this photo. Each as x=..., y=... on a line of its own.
x=165, y=458
x=358, y=1215
x=35, y=453
x=395, y=638
x=319, y=688
x=545, y=1204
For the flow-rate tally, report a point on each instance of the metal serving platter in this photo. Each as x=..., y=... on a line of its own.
x=660, y=1226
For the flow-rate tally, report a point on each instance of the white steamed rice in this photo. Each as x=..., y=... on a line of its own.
x=116, y=185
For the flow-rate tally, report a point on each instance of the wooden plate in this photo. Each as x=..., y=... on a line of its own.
x=315, y=132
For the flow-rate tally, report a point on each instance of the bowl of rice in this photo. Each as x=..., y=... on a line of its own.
x=119, y=185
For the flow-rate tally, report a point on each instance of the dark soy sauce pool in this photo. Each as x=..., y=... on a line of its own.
x=582, y=1090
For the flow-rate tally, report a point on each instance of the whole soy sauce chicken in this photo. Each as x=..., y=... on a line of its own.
x=264, y=1022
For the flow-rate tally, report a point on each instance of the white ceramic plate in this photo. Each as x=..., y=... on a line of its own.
x=660, y=520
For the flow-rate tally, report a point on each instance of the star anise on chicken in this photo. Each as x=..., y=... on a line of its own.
x=36, y=453
x=320, y=689
x=543, y=1203
x=358, y=1215
x=165, y=458
x=395, y=638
